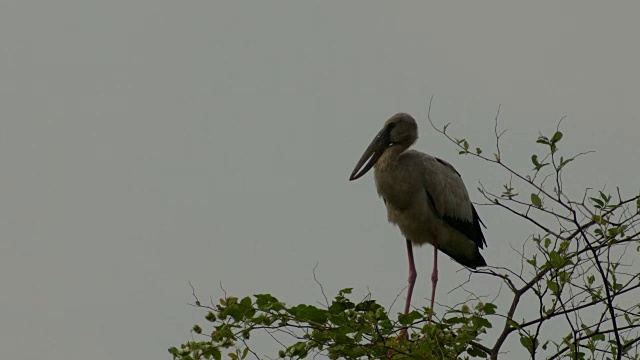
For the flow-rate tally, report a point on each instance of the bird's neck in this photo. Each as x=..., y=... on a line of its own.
x=388, y=159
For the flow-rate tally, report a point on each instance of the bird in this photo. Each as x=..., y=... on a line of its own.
x=425, y=197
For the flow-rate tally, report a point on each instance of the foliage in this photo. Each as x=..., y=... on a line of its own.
x=577, y=267
x=344, y=329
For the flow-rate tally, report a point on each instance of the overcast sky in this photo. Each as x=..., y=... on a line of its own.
x=146, y=144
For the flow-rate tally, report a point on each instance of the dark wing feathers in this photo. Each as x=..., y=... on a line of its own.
x=471, y=229
x=432, y=203
x=472, y=263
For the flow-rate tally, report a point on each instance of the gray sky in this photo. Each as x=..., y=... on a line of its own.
x=146, y=144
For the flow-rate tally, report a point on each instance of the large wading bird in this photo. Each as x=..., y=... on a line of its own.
x=425, y=198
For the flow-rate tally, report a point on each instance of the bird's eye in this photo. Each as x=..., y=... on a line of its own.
x=388, y=134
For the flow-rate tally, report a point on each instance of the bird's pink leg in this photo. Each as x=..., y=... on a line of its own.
x=412, y=277
x=434, y=278
x=412, y=280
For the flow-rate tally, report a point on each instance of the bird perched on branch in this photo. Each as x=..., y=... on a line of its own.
x=425, y=197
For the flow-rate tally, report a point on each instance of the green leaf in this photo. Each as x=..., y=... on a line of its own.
x=339, y=306
x=542, y=140
x=513, y=324
x=475, y=352
x=246, y=302
x=534, y=160
x=598, y=203
x=368, y=305
x=537, y=165
x=528, y=343
x=556, y=137
x=553, y=286
x=478, y=151
x=547, y=242
x=615, y=231
x=456, y=320
x=564, y=162
x=564, y=245
x=555, y=259
x=564, y=277
x=490, y=308
x=480, y=322
x=174, y=351
x=617, y=286
x=465, y=145
x=245, y=352
x=604, y=197
x=266, y=302
x=535, y=200
x=210, y=316
x=231, y=300
x=557, y=262
x=217, y=355
x=309, y=313
x=264, y=299
x=409, y=318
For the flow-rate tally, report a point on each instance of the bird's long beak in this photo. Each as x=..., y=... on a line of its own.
x=373, y=153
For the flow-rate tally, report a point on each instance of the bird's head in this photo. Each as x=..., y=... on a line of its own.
x=401, y=130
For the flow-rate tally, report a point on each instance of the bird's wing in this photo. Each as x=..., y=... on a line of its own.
x=448, y=196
